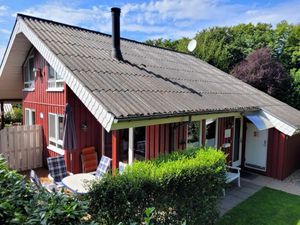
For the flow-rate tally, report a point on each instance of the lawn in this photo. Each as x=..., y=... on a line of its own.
x=266, y=207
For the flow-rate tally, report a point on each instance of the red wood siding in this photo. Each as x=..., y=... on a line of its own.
x=158, y=139
x=42, y=101
x=276, y=151
x=54, y=102
x=90, y=137
x=283, y=154
x=292, y=156
x=223, y=124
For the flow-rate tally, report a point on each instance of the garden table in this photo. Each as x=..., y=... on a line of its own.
x=77, y=183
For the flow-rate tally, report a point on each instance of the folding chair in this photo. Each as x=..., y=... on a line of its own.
x=103, y=167
x=57, y=169
x=36, y=180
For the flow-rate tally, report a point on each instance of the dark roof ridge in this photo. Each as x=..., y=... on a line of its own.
x=100, y=33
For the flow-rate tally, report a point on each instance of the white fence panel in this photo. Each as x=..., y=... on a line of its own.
x=22, y=147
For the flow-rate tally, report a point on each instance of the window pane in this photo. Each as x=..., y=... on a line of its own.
x=32, y=118
x=51, y=73
x=52, y=126
x=27, y=117
x=139, y=143
x=194, y=134
x=60, y=127
x=26, y=75
x=31, y=67
x=210, y=133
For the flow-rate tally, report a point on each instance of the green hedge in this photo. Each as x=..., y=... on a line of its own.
x=21, y=203
x=182, y=186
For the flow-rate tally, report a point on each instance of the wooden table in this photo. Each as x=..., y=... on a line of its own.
x=78, y=183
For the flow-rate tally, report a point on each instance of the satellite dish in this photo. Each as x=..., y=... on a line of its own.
x=192, y=45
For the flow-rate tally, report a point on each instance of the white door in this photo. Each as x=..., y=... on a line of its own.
x=256, y=148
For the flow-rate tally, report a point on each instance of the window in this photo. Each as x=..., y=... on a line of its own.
x=56, y=128
x=194, y=134
x=139, y=143
x=55, y=80
x=211, y=133
x=29, y=73
x=29, y=116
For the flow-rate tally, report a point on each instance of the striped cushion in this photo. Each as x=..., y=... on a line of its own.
x=57, y=168
x=103, y=166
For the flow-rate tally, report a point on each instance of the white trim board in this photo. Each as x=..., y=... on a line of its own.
x=280, y=125
x=102, y=115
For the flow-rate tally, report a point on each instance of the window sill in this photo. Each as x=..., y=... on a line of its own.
x=28, y=89
x=55, y=89
x=56, y=150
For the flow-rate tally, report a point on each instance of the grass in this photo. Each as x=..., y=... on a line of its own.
x=266, y=207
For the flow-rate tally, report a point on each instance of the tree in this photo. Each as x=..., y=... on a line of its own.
x=265, y=73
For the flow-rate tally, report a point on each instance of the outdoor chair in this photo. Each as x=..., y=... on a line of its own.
x=103, y=167
x=89, y=160
x=232, y=174
x=38, y=184
x=57, y=169
x=122, y=167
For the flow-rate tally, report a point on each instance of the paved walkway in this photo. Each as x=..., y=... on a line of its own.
x=252, y=183
x=290, y=185
x=235, y=195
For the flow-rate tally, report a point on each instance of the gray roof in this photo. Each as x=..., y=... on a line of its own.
x=151, y=81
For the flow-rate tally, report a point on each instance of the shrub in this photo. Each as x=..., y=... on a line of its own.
x=21, y=203
x=14, y=116
x=183, y=186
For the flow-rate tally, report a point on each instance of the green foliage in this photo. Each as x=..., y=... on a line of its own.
x=21, y=203
x=182, y=186
x=15, y=116
x=267, y=206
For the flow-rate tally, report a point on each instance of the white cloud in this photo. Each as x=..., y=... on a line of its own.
x=3, y=10
x=168, y=18
x=4, y=31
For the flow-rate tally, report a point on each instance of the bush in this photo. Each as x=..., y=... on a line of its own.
x=183, y=186
x=14, y=116
x=21, y=203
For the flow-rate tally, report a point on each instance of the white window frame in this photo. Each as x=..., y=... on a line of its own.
x=57, y=142
x=30, y=111
x=29, y=84
x=56, y=83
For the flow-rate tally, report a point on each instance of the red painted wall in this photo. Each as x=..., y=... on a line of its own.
x=292, y=156
x=160, y=139
x=90, y=137
x=283, y=154
x=276, y=154
x=54, y=102
x=42, y=101
x=223, y=124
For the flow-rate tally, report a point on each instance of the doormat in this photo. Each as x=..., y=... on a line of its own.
x=247, y=175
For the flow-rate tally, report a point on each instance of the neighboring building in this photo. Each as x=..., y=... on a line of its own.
x=137, y=101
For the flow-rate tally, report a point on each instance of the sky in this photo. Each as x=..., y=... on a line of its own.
x=149, y=19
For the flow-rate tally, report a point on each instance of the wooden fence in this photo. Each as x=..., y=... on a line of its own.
x=22, y=147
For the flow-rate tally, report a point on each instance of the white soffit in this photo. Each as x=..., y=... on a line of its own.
x=280, y=125
x=105, y=118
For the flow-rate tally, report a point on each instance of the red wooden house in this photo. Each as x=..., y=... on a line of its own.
x=133, y=101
